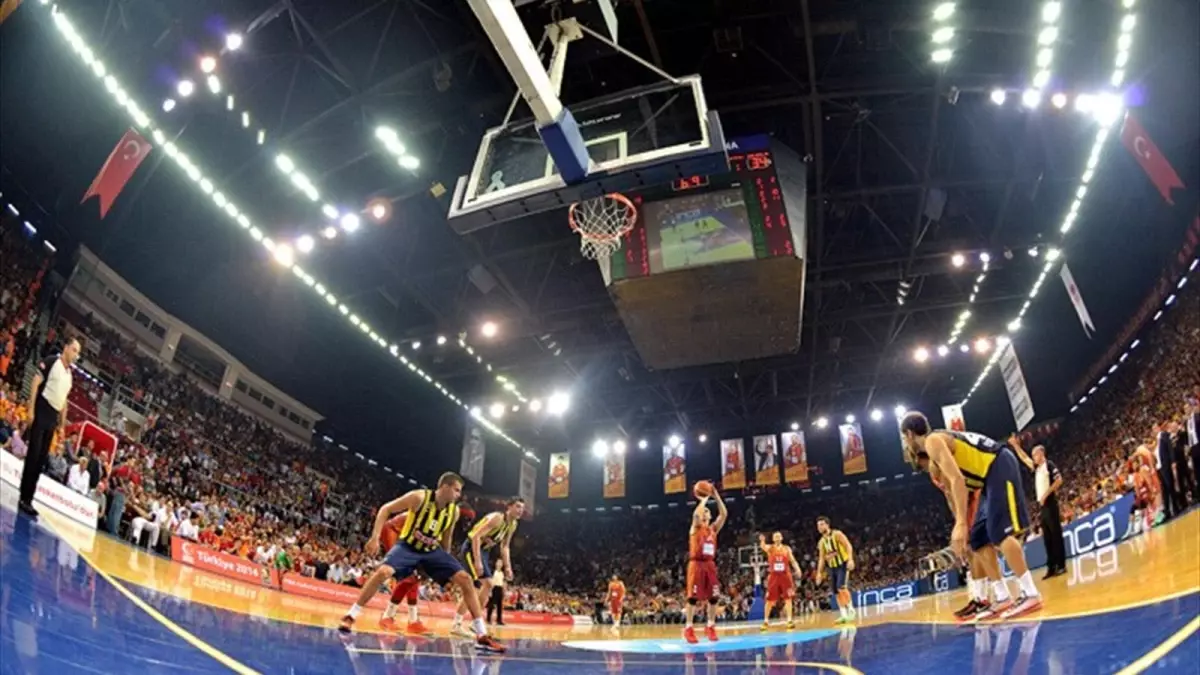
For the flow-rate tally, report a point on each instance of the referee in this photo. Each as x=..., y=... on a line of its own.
x=1047, y=480
x=51, y=386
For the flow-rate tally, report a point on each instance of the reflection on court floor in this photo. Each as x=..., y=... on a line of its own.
x=1121, y=609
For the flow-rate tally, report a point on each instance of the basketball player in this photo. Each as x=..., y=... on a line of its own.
x=423, y=545
x=616, y=598
x=406, y=589
x=834, y=550
x=977, y=583
x=781, y=585
x=702, y=584
x=496, y=528
x=965, y=460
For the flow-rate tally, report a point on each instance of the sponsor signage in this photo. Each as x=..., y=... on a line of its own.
x=324, y=590
x=884, y=595
x=212, y=560
x=1108, y=525
x=50, y=493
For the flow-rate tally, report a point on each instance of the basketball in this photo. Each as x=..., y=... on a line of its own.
x=703, y=489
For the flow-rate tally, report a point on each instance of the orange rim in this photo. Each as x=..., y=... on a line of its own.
x=630, y=218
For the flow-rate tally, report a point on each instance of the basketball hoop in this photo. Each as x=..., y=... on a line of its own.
x=601, y=222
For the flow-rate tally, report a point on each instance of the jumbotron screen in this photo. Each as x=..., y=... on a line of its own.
x=699, y=228
x=709, y=220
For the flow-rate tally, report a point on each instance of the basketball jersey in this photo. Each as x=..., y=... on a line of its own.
x=777, y=560
x=835, y=553
x=424, y=528
x=703, y=545
x=974, y=454
x=616, y=590
x=491, y=539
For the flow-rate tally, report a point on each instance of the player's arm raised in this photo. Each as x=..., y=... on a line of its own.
x=1015, y=444
x=722, y=511
x=762, y=543
x=940, y=455
x=411, y=501
x=845, y=542
x=696, y=512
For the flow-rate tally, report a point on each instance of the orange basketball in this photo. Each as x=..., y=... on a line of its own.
x=702, y=489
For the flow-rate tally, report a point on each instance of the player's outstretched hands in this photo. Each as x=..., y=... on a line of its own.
x=372, y=546
x=762, y=539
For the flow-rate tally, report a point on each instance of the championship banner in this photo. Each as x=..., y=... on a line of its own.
x=674, y=469
x=952, y=415
x=527, y=488
x=560, y=475
x=614, y=475
x=733, y=464
x=1081, y=309
x=854, y=452
x=766, y=462
x=1014, y=384
x=473, y=452
x=795, y=457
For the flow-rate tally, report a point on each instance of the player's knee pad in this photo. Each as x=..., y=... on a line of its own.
x=692, y=601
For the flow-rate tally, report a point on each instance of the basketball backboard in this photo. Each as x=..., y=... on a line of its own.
x=635, y=139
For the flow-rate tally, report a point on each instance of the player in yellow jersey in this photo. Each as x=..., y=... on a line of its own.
x=423, y=544
x=963, y=461
x=835, y=552
x=495, y=529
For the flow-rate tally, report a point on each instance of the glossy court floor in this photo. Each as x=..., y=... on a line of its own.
x=72, y=601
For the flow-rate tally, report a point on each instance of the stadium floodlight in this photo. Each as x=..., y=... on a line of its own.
x=496, y=410
x=876, y=415
x=284, y=255
x=982, y=345
x=921, y=354
x=964, y=348
x=489, y=329
x=534, y=406
x=329, y=232
x=1059, y=100
x=416, y=344
x=599, y=449
x=214, y=84
x=674, y=441
x=185, y=88
x=822, y=422
x=943, y=350
x=207, y=64
x=795, y=426
x=305, y=243
x=1031, y=98
x=943, y=11
x=619, y=447
x=168, y=105
x=558, y=403
x=350, y=222
x=958, y=260
x=985, y=257
x=476, y=412
x=999, y=96
x=942, y=55
x=850, y=419
x=943, y=35
x=1014, y=325
x=703, y=438
x=441, y=340
x=643, y=444
x=234, y=41
x=900, y=411
x=1051, y=11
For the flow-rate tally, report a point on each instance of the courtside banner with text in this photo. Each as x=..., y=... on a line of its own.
x=324, y=590
x=51, y=493
x=212, y=560
x=560, y=475
x=1107, y=525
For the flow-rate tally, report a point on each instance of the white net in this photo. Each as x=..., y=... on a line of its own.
x=601, y=222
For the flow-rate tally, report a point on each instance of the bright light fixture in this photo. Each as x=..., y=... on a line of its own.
x=305, y=244
x=208, y=64
x=496, y=410
x=982, y=345
x=822, y=422
x=489, y=329
x=534, y=406
x=943, y=350
x=943, y=11
x=900, y=411
x=168, y=105
x=233, y=41
x=674, y=441
x=921, y=355
x=703, y=438
x=876, y=415
x=958, y=260
x=943, y=35
x=1059, y=100
x=998, y=96
x=619, y=447
x=795, y=426
x=849, y=419
x=185, y=88
x=599, y=449
x=643, y=444
x=942, y=55
x=350, y=222
x=1031, y=98
x=558, y=403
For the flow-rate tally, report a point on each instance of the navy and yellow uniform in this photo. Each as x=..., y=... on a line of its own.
x=836, y=556
x=992, y=467
x=481, y=569
x=419, y=542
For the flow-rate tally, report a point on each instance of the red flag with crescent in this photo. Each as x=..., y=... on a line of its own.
x=1161, y=173
x=117, y=170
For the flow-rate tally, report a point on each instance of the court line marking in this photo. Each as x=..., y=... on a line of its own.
x=1070, y=615
x=1151, y=657
x=834, y=667
x=179, y=631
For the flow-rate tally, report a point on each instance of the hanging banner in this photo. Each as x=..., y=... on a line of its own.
x=614, y=475
x=733, y=464
x=117, y=170
x=560, y=475
x=1014, y=383
x=854, y=452
x=1156, y=166
x=795, y=457
x=674, y=469
x=766, y=461
x=952, y=416
x=527, y=488
x=473, y=452
x=1081, y=309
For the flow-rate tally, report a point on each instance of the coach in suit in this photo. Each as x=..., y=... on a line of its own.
x=48, y=406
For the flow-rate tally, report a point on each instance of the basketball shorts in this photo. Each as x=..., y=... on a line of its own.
x=614, y=606
x=437, y=564
x=1002, y=512
x=407, y=589
x=702, y=580
x=839, y=577
x=780, y=587
x=480, y=570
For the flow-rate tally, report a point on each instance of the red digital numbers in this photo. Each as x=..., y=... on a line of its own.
x=758, y=161
x=689, y=183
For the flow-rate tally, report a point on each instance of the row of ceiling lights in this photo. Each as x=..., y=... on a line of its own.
x=281, y=253
x=29, y=228
x=1106, y=117
x=602, y=448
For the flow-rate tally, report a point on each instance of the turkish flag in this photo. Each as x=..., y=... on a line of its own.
x=1161, y=173
x=117, y=170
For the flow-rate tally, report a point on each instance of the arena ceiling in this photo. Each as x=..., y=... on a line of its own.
x=910, y=163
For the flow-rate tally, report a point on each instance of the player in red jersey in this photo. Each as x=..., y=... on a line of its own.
x=702, y=584
x=616, y=598
x=781, y=585
x=406, y=589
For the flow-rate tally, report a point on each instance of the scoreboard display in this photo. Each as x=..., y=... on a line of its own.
x=749, y=213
